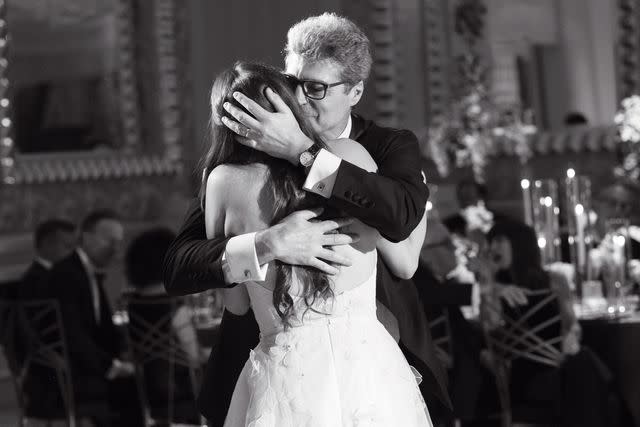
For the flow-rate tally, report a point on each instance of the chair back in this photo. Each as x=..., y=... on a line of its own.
x=440, y=328
x=161, y=361
x=531, y=332
x=34, y=337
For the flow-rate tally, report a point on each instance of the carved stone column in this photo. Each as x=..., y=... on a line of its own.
x=628, y=55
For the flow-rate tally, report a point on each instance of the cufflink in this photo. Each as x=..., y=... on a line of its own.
x=320, y=186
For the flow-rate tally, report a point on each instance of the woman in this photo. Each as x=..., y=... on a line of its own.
x=323, y=358
x=578, y=389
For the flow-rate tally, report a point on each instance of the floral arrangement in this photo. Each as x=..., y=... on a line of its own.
x=478, y=217
x=628, y=121
x=475, y=127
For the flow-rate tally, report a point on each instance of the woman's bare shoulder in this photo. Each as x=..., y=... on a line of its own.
x=231, y=179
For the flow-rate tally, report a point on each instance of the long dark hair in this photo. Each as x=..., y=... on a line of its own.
x=526, y=263
x=284, y=181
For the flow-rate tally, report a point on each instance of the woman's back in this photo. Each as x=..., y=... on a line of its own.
x=245, y=204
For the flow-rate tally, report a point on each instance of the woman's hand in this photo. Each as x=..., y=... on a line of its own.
x=513, y=295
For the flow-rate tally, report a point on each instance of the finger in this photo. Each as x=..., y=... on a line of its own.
x=276, y=101
x=238, y=128
x=251, y=143
x=333, y=224
x=339, y=239
x=508, y=299
x=324, y=267
x=241, y=116
x=309, y=213
x=252, y=107
x=335, y=258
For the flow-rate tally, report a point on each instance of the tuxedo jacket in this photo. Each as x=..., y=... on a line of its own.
x=392, y=201
x=92, y=345
x=33, y=283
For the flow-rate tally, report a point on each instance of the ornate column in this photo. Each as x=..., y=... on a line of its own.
x=628, y=55
x=6, y=140
x=384, y=73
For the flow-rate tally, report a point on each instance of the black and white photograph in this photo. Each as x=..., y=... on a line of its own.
x=319, y=213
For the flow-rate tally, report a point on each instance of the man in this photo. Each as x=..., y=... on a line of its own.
x=54, y=239
x=328, y=60
x=93, y=342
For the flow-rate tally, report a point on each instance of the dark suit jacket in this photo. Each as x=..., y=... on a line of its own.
x=33, y=281
x=392, y=201
x=92, y=345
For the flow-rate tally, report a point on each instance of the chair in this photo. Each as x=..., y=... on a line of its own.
x=532, y=333
x=166, y=376
x=35, y=347
x=440, y=328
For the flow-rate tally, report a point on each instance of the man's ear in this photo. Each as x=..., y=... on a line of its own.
x=355, y=93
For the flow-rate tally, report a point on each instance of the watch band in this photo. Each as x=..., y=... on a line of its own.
x=309, y=155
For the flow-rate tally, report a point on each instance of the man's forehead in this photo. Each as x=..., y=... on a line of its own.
x=323, y=70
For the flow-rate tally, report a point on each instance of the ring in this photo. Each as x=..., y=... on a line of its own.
x=246, y=133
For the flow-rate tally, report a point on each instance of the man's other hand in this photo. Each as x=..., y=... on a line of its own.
x=300, y=239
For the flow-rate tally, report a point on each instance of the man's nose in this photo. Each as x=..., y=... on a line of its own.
x=300, y=96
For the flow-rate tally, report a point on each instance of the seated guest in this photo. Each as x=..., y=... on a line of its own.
x=54, y=239
x=580, y=388
x=439, y=266
x=150, y=302
x=94, y=344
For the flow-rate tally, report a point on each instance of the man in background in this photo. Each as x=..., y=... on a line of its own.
x=54, y=239
x=94, y=345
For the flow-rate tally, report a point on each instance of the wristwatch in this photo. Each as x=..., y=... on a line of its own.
x=309, y=155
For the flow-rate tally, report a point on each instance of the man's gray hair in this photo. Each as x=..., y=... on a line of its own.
x=329, y=36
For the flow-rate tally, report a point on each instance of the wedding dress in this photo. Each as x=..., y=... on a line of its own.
x=336, y=366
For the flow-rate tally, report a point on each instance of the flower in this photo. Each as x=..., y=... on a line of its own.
x=627, y=120
x=475, y=127
x=478, y=217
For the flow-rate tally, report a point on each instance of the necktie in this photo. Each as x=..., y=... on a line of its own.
x=95, y=291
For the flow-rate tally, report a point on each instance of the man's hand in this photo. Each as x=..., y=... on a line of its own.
x=278, y=134
x=299, y=240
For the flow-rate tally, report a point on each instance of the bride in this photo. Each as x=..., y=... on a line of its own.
x=323, y=359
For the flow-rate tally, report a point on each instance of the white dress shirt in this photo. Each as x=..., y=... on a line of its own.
x=240, y=261
x=93, y=282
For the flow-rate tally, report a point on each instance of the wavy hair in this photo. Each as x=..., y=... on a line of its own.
x=526, y=266
x=332, y=37
x=284, y=181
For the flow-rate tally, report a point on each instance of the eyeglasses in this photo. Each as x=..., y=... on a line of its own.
x=311, y=88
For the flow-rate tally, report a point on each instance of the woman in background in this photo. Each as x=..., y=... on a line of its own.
x=580, y=388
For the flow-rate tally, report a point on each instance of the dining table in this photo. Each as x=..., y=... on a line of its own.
x=616, y=340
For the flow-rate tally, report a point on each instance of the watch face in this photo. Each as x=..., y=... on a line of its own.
x=306, y=158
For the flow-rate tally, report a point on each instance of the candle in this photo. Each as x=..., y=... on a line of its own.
x=526, y=198
x=581, y=222
x=548, y=227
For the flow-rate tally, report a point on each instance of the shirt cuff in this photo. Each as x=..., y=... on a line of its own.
x=322, y=175
x=240, y=261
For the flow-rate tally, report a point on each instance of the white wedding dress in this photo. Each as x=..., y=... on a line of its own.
x=336, y=366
